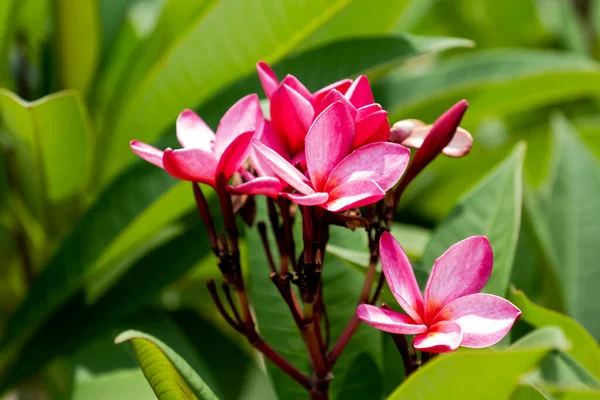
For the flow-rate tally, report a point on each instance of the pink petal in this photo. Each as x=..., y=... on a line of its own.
x=462, y=270
x=283, y=168
x=147, y=152
x=235, y=154
x=371, y=128
x=265, y=185
x=291, y=115
x=191, y=164
x=459, y=146
x=328, y=142
x=341, y=86
x=388, y=320
x=271, y=139
x=383, y=163
x=354, y=194
x=192, y=131
x=442, y=337
x=331, y=98
x=294, y=83
x=360, y=93
x=403, y=129
x=267, y=77
x=313, y=199
x=484, y=318
x=400, y=277
x=243, y=116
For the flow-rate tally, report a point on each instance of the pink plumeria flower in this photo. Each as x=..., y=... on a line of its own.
x=338, y=179
x=453, y=313
x=204, y=155
x=412, y=133
x=294, y=108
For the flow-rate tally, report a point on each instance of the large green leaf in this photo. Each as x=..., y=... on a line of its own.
x=218, y=47
x=495, y=82
x=483, y=374
x=51, y=140
x=492, y=209
x=341, y=287
x=78, y=41
x=567, y=222
x=584, y=348
x=168, y=373
x=63, y=275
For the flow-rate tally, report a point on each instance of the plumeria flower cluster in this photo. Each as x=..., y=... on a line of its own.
x=330, y=154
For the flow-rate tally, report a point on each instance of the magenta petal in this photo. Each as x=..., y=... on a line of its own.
x=371, y=128
x=459, y=146
x=341, y=86
x=192, y=131
x=294, y=83
x=484, y=318
x=328, y=142
x=360, y=93
x=283, y=168
x=235, y=154
x=267, y=77
x=191, y=164
x=289, y=116
x=354, y=194
x=400, y=277
x=147, y=152
x=442, y=337
x=265, y=185
x=244, y=116
x=383, y=163
x=462, y=270
x=388, y=320
x=313, y=199
x=331, y=98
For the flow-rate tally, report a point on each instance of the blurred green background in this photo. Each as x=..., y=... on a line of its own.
x=93, y=241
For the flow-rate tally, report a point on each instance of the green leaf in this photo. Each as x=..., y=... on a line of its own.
x=481, y=373
x=169, y=375
x=112, y=15
x=496, y=82
x=568, y=221
x=584, y=349
x=51, y=140
x=559, y=371
x=342, y=286
x=492, y=209
x=63, y=275
x=78, y=40
x=208, y=57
